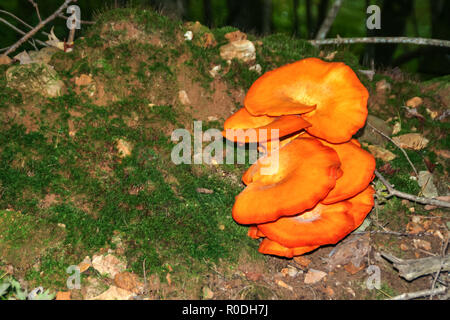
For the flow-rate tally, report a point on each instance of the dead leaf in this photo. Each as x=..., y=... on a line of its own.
x=235, y=36
x=302, y=261
x=383, y=86
x=414, y=102
x=184, y=99
x=397, y=127
x=85, y=264
x=282, y=284
x=413, y=141
x=63, y=295
x=443, y=153
x=413, y=228
x=108, y=264
x=422, y=244
x=253, y=276
x=169, y=279
x=313, y=276
x=352, y=269
x=404, y=247
x=5, y=59
x=207, y=293
x=330, y=56
x=388, y=170
x=129, y=281
x=381, y=153
x=83, y=80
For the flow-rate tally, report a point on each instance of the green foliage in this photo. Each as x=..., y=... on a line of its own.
x=10, y=289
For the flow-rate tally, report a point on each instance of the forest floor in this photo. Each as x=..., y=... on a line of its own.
x=88, y=173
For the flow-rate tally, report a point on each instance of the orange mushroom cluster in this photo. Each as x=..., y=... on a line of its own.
x=320, y=189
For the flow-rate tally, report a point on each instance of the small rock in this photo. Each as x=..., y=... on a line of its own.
x=243, y=50
x=128, y=281
x=207, y=293
x=184, y=99
x=114, y=293
x=414, y=102
x=257, y=68
x=5, y=59
x=381, y=153
x=413, y=141
x=284, y=285
x=425, y=181
x=422, y=244
x=292, y=272
x=302, y=261
x=235, y=36
x=124, y=148
x=313, y=276
x=214, y=72
x=188, y=36
x=63, y=295
x=109, y=265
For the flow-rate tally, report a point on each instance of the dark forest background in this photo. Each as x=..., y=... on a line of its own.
x=299, y=18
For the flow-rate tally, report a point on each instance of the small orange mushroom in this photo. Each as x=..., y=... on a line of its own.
x=262, y=126
x=268, y=246
x=297, y=177
x=329, y=95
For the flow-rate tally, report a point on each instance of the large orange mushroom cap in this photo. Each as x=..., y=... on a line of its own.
x=357, y=166
x=268, y=246
x=262, y=125
x=297, y=177
x=325, y=224
x=329, y=95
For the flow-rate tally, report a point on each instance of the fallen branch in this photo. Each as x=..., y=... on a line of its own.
x=404, y=40
x=419, y=294
x=38, y=27
x=328, y=22
x=444, y=250
x=393, y=192
x=414, y=268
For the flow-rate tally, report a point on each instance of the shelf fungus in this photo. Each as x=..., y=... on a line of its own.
x=313, y=189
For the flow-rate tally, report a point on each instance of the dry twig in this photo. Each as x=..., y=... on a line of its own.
x=37, y=9
x=419, y=294
x=404, y=40
x=401, y=149
x=393, y=192
x=20, y=31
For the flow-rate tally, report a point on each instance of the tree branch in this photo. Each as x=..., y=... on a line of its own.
x=38, y=27
x=20, y=31
x=21, y=21
x=403, y=195
x=407, y=40
x=328, y=22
